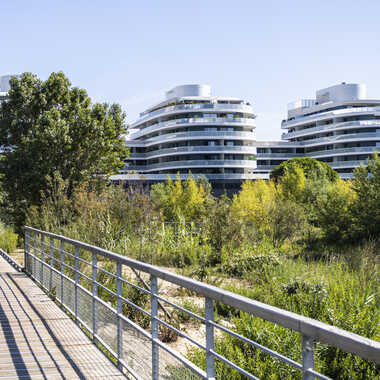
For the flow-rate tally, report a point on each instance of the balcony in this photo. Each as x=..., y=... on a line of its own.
x=144, y=116
x=347, y=164
x=341, y=139
x=172, y=124
x=328, y=114
x=194, y=149
x=329, y=127
x=200, y=135
x=342, y=151
x=251, y=164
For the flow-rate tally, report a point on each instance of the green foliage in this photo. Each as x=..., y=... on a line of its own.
x=8, y=239
x=299, y=244
x=179, y=199
x=366, y=210
x=49, y=127
x=310, y=166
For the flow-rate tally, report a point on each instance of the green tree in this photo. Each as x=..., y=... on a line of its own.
x=49, y=127
x=366, y=210
x=310, y=166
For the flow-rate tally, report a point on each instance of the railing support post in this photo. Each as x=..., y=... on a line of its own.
x=51, y=263
x=62, y=268
x=34, y=254
x=42, y=259
x=307, y=357
x=76, y=265
x=94, y=293
x=26, y=251
x=154, y=314
x=210, y=360
x=119, y=292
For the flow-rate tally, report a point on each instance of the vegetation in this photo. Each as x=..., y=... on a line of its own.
x=50, y=128
x=305, y=241
x=8, y=239
x=299, y=243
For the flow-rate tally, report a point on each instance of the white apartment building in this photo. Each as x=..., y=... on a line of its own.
x=191, y=130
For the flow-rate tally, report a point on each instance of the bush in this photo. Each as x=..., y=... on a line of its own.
x=8, y=240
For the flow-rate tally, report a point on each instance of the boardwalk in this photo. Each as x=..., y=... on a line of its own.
x=38, y=340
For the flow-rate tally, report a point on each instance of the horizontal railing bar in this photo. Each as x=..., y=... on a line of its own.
x=135, y=286
x=233, y=365
x=71, y=255
x=85, y=276
x=11, y=261
x=182, y=309
x=135, y=306
x=106, y=271
x=105, y=288
x=319, y=331
x=258, y=345
x=180, y=333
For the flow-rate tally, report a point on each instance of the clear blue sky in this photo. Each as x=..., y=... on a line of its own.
x=267, y=52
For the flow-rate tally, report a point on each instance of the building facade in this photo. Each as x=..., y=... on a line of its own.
x=215, y=136
x=340, y=126
x=193, y=131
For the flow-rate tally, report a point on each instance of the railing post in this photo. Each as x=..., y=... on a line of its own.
x=307, y=357
x=42, y=259
x=76, y=265
x=51, y=263
x=94, y=293
x=62, y=269
x=210, y=360
x=34, y=254
x=26, y=251
x=119, y=292
x=154, y=314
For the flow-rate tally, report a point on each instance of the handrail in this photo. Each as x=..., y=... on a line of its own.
x=311, y=330
x=10, y=260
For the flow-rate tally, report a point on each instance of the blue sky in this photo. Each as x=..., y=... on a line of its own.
x=267, y=52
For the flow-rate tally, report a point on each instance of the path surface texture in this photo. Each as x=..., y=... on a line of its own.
x=38, y=340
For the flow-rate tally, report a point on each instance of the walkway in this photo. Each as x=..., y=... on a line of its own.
x=38, y=340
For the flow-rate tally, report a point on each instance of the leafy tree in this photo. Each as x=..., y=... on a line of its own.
x=310, y=166
x=181, y=199
x=332, y=211
x=50, y=127
x=366, y=210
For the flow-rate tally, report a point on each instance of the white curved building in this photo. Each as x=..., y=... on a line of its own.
x=340, y=126
x=192, y=131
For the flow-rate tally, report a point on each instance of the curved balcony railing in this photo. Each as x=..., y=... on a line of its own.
x=170, y=124
x=329, y=127
x=200, y=135
x=144, y=116
x=347, y=164
x=163, y=177
x=328, y=114
x=194, y=149
x=342, y=151
x=341, y=138
x=194, y=164
x=279, y=155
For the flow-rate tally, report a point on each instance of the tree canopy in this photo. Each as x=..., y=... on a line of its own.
x=310, y=167
x=48, y=128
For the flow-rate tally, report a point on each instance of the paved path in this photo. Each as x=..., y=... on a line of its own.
x=38, y=340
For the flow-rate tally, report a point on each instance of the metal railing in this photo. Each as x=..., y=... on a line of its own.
x=194, y=149
x=195, y=107
x=194, y=164
x=73, y=272
x=175, y=123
